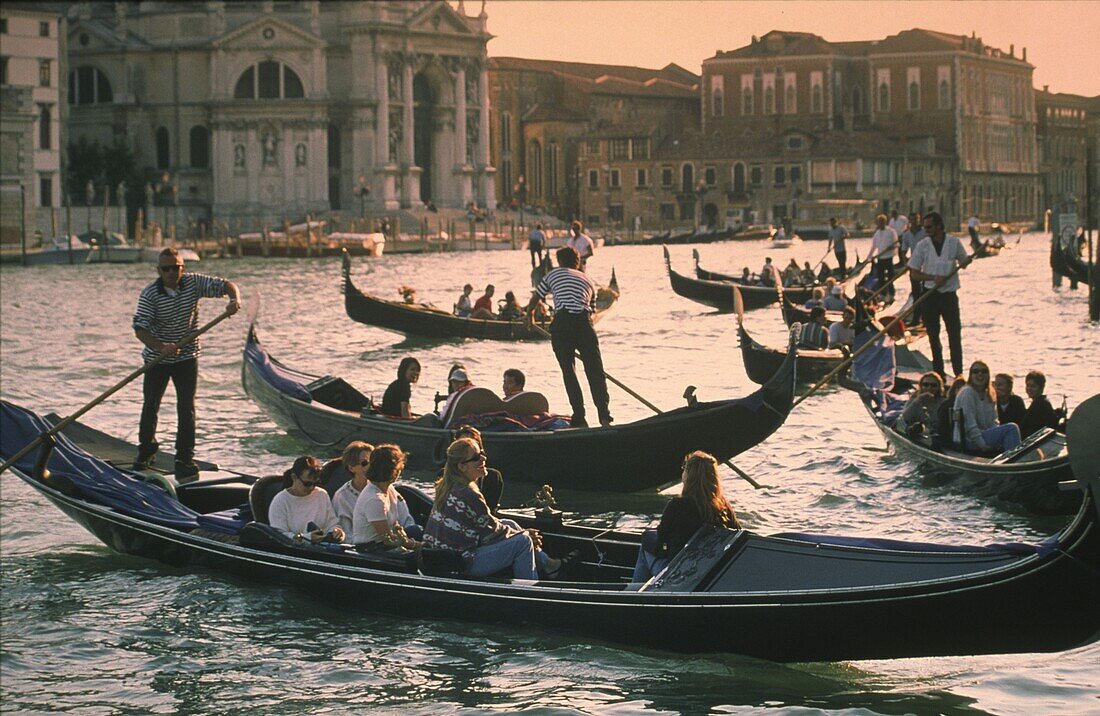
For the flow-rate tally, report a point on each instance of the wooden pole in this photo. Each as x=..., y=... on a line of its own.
x=286, y=234
x=69, y=225
x=106, y=240
x=23, y=222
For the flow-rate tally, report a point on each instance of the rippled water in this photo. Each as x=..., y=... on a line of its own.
x=87, y=630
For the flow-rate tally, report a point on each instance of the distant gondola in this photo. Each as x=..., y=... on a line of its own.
x=421, y=320
x=718, y=293
x=787, y=597
x=1066, y=260
x=634, y=456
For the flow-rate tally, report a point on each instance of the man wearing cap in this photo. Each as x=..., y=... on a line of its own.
x=457, y=383
x=572, y=332
x=933, y=263
x=834, y=301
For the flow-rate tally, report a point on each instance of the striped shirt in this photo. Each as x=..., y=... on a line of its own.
x=925, y=258
x=171, y=316
x=572, y=290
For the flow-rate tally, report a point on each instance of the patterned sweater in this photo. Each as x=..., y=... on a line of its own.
x=463, y=524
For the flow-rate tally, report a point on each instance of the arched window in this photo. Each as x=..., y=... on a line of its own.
x=790, y=100
x=269, y=80
x=505, y=132
x=746, y=100
x=884, y=97
x=163, y=154
x=200, y=147
x=769, y=100
x=739, y=178
x=88, y=85
x=45, y=128
x=914, y=95
x=687, y=179
x=816, y=100
x=857, y=101
x=534, y=169
x=552, y=170
x=945, y=94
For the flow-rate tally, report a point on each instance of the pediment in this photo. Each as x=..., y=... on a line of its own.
x=268, y=32
x=94, y=35
x=439, y=18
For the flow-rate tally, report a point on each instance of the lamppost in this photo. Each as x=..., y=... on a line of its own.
x=700, y=192
x=362, y=190
x=520, y=190
x=89, y=194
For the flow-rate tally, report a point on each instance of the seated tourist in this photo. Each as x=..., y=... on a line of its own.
x=464, y=307
x=514, y=383
x=842, y=334
x=945, y=421
x=457, y=382
x=700, y=503
x=483, y=307
x=304, y=503
x=492, y=484
x=511, y=310
x=381, y=516
x=767, y=273
x=817, y=298
x=792, y=274
x=1040, y=414
x=834, y=298
x=746, y=276
x=920, y=413
x=813, y=333
x=981, y=432
x=395, y=401
x=354, y=461
x=1010, y=407
x=461, y=522
x=808, y=276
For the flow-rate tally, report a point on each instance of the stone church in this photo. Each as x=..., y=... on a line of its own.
x=263, y=110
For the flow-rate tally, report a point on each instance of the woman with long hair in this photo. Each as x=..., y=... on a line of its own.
x=396, y=399
x=354, y=462
x=978, y=404
x=381, y=515
x=304, y=503
x=923, y=407
x=701, y=502
x=461, y=522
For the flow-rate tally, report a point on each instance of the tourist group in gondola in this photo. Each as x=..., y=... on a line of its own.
x=700, y=581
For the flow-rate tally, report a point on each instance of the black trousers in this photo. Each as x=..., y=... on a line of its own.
x=185, y=377
x=884, y=271
x=946, y=306
x=536, y=254
x=917, y=288
x=842, y=261
x=572, y=333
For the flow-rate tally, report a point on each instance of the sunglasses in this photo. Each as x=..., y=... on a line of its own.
x=929, y=385
x=364, y=463
x=480, y=457
x=981, y=371
x=174, y=268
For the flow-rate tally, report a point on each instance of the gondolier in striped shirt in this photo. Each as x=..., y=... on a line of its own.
x=572, y=332
x=167, y=311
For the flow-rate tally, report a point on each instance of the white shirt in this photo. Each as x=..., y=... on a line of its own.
x=973, y=222
x=374, y=505
x=926, y=259
x=841, y=335
x=343, y=504
x=582, y=245
x=291, y=514
x=899, y=225
x=883, y=241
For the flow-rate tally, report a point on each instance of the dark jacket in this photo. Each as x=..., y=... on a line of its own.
x=1013, y=412
x=1040, y=414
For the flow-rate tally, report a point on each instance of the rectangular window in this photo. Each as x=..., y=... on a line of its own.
x=642, y=179
x=746, y=94
x=796, y=175
x=3, y=25
x=44, y=29
x=592, y=220
x=769, y=93
x=666, y=176
x=756, y=175
x=912, y=86
x=615, y=213
x=614, y=179
x=943, y=86
x=817, y=92
x=593, y=178
x=918, y=174
x=668, y=212
x=592, y=147
x=3, y=70
x=790, y=93
x=640, y=147
x=717, y=94
x=44, y=73
x=882, y=89
x=687, y=210
x=505, y=132
x=618, y=149
x=781, y=176
x=45, y=190
x=710, y=176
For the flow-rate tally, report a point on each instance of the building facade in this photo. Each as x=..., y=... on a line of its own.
x=32, y=117
x=1067, y=147
x=262, y=111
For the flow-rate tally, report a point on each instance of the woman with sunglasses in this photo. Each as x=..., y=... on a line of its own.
x=381, y=516
x=461, y=522
x=701, y=502
x=920, y=412
x=981, y=433
x=354, y=461
x=303, y=509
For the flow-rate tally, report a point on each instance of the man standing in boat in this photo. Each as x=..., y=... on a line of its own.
x=572, y=332
x=932, y=262
x=167, y=312
x=837, y=235
x=582, y=243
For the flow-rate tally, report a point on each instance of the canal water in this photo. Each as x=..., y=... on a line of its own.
x=87, y=630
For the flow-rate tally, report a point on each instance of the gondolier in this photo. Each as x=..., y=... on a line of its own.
x=837, y=235
x=933, y=262
x=571, y=332
x=167, y=311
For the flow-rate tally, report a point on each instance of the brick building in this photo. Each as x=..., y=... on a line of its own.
x=1067, y=144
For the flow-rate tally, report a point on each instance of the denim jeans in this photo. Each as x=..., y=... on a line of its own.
x=1002, y=437
x=516, y=551
x=647, y=565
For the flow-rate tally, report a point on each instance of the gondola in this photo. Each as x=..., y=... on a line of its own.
x=622, y=458
x=1066, y=260
x=797, y=289
x=718, y=293
x=786, y=597
x=1028, y=475
x=421, y=320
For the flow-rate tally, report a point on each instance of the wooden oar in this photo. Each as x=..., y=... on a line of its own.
x=866, y=346
x=818, y=264
x=111, y=391
x=740, y=473
x=881, y=288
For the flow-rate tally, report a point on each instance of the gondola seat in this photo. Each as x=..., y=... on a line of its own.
x=333, y=476
x=261, y=494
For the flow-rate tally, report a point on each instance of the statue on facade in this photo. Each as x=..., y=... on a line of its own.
x=270, y=144
x=396, y=135
x=471, y=85
x=300, y=155
x=238, y=156
x=148, y=194
x=393, y=75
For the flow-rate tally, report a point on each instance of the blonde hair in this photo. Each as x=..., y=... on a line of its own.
x=353, y=449
x=702, y=487
x=452, y=477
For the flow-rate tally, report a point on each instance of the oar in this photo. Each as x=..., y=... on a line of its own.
x=866, y=346
x=881, y=288
x=111, y=391
x=740, y=473
x=818, y=264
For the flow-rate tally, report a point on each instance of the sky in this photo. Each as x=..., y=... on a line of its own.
x=1062, y=38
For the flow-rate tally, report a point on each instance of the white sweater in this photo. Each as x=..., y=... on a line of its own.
x=978, y=415
x=291, y=515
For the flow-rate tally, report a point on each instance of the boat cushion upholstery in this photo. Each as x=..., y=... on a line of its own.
x=333, y=476
x=273, y=374
x=261, y=494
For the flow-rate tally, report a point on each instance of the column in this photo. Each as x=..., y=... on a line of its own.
x=385, y=171
x=462, y=167
x=488, y=184
x=412, y=172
